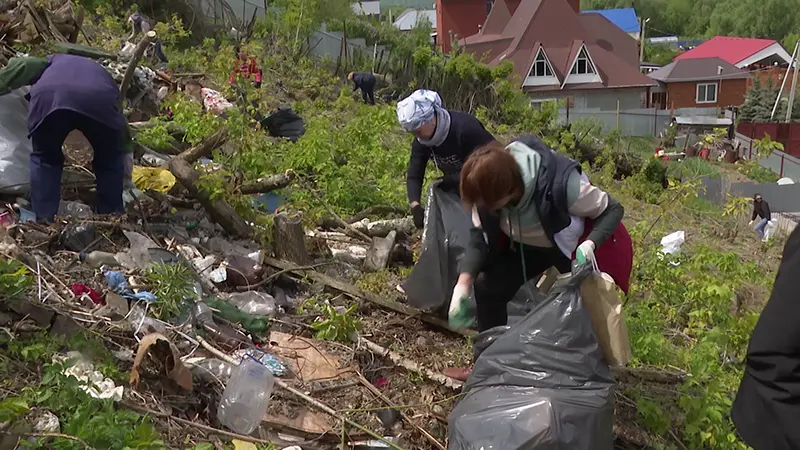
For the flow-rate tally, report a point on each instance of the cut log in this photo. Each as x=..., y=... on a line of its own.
x=289, y=239
x=357, y=293
x=378, y=255
x=219, y=209
x=381, y=228
x=268, y=184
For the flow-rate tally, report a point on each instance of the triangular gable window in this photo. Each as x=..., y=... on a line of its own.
x=541, y=66
x=583, y=65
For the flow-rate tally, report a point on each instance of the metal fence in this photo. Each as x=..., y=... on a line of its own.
x=644, y=122
x=784, y=200
x=328, y=45
x=779, y=162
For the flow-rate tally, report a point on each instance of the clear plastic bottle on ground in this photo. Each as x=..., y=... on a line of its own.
x=246, y=397
x=97, y=259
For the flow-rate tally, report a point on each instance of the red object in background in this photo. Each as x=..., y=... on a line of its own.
x=704, y=153
x=246, y=68
x=615, y=255
x=80, y=289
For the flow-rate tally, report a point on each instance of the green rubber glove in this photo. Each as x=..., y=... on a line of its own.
x=461, y=316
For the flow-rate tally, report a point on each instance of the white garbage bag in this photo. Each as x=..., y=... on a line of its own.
x=671, y=243
x=769, y=230
x=15, y=147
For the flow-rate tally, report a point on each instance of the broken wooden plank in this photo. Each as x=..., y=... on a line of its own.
x=355, y=292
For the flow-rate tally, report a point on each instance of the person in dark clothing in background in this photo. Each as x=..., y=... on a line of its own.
x=766, y=410
x=142, y=24
x=760, y=210
x=366, y=82
x=447, y=137
x=72, y=93
x=546, y=214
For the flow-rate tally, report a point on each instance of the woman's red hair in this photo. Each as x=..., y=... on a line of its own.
x=490, y=175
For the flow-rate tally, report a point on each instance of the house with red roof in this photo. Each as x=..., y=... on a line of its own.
x=558, y=52
x=744, y=53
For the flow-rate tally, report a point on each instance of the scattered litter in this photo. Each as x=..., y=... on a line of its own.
x=78, y=236
x=242, y=445
x=671, y=243
x=246, y=397
x=81, y=289
x=210, y=369
x=75, y=210
x=162, y=350
x=375, y=444
x=258, y=304
x=272, y=363
x=92, y=381
x=154, y=179
x=117, y=283
x=306, y=359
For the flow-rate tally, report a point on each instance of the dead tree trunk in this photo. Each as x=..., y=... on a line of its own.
x=289, y=238
x=268, y=184
x=219, y=209
x=137, y=55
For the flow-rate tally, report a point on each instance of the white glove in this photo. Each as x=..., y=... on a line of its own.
x=460, y=314
x=751, y=222
x=127, y=167
x=585, y=252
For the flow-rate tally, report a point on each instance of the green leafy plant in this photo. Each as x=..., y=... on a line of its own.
x=14, y=279
x=173, y=285
x=336, y=326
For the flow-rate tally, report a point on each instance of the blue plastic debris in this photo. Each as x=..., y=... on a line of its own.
x=116, y=282
x=268, y=202
x=269, y=361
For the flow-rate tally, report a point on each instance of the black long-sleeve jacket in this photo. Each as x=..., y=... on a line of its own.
x=466, y=134
x=761, y=209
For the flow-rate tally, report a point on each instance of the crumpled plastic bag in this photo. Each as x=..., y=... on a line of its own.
x=92, y=381
x=153, y=179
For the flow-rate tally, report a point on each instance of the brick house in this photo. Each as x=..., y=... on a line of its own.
x=560, y=53
x=699, y=83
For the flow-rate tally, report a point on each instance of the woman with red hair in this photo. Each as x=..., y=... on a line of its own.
x=542, y=212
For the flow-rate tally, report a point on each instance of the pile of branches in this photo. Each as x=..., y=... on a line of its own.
x=28, y=22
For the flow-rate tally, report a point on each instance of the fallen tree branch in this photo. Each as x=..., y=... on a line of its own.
x=349, y=228
x=281, y=272
x=376, y=392
x=355, y=292
x=207, y=146
x=218, y=209
x=268, y=184
x=381, y=228
x=310, y=400
x=411, y=365
x=137, y=56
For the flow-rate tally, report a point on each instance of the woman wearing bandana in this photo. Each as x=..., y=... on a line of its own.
x=447, y=137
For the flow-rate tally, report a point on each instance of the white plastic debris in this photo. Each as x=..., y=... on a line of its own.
x=671, y=243
x=92, y=381
x=769, y=230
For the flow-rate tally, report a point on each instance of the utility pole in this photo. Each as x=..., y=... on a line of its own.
x=794, y=88
x=783, y=83
x=642, y=39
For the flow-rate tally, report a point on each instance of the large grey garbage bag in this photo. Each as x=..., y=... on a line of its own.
x=542, y=384
x=15, y=147
x=445, y=239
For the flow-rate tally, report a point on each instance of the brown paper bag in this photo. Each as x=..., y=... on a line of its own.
x=605, y=308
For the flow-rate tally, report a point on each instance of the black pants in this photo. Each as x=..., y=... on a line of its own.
x=368, y=91
x=47, y=162
x=502, y=276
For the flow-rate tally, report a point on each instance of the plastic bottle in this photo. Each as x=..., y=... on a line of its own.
x=97, y=259
x=246, y=397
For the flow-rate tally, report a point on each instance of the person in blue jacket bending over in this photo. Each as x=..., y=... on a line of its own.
x=71, y=93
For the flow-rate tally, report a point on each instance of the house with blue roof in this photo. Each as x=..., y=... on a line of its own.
x=624, y=18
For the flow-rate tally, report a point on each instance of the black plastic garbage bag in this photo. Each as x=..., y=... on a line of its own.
x=284, y=123
x=445, y=240
x=542, y=384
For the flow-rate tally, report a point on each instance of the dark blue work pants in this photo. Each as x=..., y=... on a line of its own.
x=47, y=162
